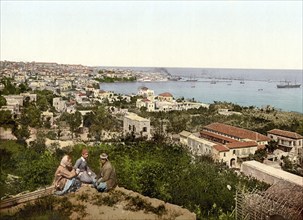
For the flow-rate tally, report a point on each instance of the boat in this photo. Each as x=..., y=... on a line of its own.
x=213, y=82
x=191, y=79
x=242, y=82
x=287, y=84
x=176, y=78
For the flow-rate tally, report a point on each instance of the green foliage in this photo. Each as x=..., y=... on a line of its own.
x=31, y=168
x=107, y=79
x=6, y=119
x=11, y=88
x=21, y=132
x=99, y=119
x=74, y=120
x=271, y=146
x=260, y=155
x=31, y=116
x=44, y=99
x=49, y=207
x=166, y=172
x=2, y=101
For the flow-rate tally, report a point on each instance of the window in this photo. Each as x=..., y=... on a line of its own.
x=224, y=155
x=234, y=151
x=134, y=128
x=129, y=127
x=144, y=129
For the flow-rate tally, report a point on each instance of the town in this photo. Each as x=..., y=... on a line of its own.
x=64, y=105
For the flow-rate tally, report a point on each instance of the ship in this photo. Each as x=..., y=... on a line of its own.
x=191, y=79
x=287, y=84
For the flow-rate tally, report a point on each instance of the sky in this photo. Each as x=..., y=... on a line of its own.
x=206, y=34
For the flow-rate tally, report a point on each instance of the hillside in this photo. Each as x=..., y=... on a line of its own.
x=87, y=203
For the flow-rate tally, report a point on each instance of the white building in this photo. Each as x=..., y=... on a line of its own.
x=224, y=143
x=32, y=97
x=136, y=125
x=59, y=104
x=146, y=93
x=290, y=142
x=48, y=116
x=269, y=174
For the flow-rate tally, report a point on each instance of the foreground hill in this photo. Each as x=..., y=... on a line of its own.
x=87, y=203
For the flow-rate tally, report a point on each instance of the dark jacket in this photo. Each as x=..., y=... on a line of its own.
x=108, y=174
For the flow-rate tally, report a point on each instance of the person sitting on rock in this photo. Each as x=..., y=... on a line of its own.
x=65, y=177
x=107, y=177
x=85, y=174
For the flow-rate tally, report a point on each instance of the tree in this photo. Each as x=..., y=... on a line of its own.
x=260, y=155
x=22, y=133
x=39, y=145
x=23, y=87
x=9, y=87
x=74, y=121
x=6, y=118
x=271, y=146
x=31, y=116
x=2, y=101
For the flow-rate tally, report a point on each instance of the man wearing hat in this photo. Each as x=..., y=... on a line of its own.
x=85, y=174
x=107, y=177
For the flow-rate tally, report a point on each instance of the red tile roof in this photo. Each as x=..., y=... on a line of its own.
x=210, y=134
x=220, y=148
x=236, y=132
x=146, y=100
x=241, y=144
x=166, y=94
x=287, y=134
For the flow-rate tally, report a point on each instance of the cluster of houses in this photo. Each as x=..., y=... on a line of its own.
x=232, y=145
x=228, y=144
x=163, y=102
x=225, y=143
x=50, y=76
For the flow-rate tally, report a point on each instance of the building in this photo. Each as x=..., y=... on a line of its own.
x=225, y=143
x=287, y=141
x=184, y=137
x=148, y=104
x=223, y=134
x=32, y=97
x=269, y=174
x=166, y=96
x=146, y=92
x=136, y=125
x=59, y=104
x=48, y=117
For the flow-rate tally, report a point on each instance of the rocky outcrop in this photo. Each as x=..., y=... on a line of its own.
x=121, y=203
x=88, y=203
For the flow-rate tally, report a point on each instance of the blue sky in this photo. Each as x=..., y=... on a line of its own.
x=219, y=34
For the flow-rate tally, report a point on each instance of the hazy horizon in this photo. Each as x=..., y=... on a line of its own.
x=184, y=34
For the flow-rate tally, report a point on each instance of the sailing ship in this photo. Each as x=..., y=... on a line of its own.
x=287, y=84
x=191, y=79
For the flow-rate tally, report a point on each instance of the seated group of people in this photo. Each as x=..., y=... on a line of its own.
x=68, y=178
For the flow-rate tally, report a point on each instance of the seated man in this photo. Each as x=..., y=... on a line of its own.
x=107, y=177
x=65, y=177
x=85, y=174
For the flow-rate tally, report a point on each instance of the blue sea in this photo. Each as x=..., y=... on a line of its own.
x=259, y=88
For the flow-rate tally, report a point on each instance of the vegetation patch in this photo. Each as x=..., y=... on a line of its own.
x=137, y=204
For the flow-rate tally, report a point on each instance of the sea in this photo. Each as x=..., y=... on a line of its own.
x=245, y=87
